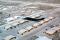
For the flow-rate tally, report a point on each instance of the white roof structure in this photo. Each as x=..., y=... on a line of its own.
x=46, y=19
x=41, y=22
x=43, y=38
x=16, y=17
x=22, y=31
x=22, y=21
x=14, y=23
x=13, y=18
x=36, y=24
x=50, y=32
x=10, y=24
x=9, y=37
x=30, y=27
x=53, y=30
x=9, y=19
x=51, y=17
x=35, y=15
x=7, y=26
